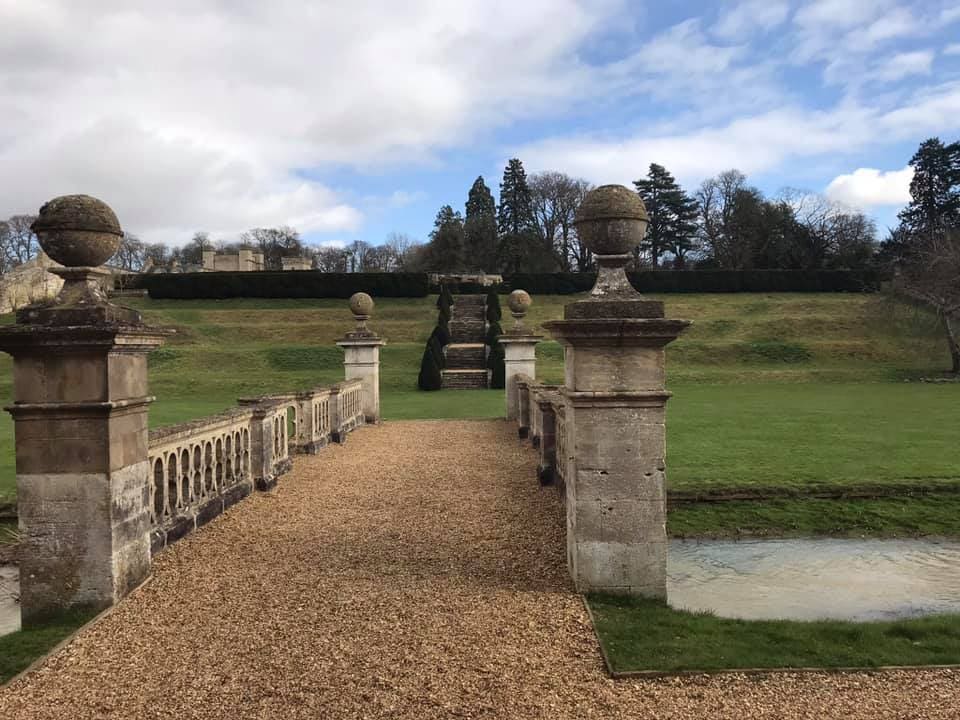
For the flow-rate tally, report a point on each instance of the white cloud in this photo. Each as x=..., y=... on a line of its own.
x=905, y=64
x=749, y=16
x=952, y=49
x=186, y=115
x=758, y=143
x=867, y=188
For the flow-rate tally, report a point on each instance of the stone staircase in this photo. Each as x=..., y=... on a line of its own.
x=467, y=354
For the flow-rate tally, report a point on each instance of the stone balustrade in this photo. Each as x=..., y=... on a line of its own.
x=201, y=468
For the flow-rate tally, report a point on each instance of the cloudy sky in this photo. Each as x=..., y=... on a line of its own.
x=353, y=119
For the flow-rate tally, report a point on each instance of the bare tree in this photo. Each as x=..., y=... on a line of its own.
x=932, y=277
x=131, y=254
x=18, y=243
x=400, y=245
x=274, y=243
x=330, y=259
x=555, y=197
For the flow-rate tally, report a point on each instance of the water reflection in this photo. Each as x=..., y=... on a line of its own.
x=9, y=590
x=806, y=579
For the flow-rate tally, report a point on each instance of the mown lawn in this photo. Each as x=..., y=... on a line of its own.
x=648, y=635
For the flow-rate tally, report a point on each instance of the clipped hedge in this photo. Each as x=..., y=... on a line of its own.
x=286, y=284
x=705, y=281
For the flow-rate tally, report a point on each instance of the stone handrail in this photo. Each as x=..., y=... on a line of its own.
x=541, y=417
x=202, y=467
x=349, y=408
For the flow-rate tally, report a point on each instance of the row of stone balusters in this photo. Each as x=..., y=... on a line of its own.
x=541, y=417
x=201, y=468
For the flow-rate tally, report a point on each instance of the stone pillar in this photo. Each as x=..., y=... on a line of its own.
x=361, y=356
x=519, y=349
x=615, y=397
x=80, y=415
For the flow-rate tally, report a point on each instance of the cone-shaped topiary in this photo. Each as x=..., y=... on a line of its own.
x=437, y=349
x=430, y=377
x=493, y=307
x=445, y=292
x=443, y=316
x=495, y=362
x=493, y=332
x=442, y=333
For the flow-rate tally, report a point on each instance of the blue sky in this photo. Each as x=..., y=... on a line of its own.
x=351, y=121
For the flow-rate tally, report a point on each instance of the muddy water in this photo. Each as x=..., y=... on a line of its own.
x=9, y=609
x=806, y=579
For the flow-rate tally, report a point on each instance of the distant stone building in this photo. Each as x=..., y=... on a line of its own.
x=478, y=278
x=296, y=263
x=241, y=261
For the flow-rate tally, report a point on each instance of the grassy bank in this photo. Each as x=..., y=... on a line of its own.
x=649, y=635
x=780, y=391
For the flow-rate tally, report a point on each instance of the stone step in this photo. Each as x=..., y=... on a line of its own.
x=469, y=300
x=464, y=356
x=465, y=379
x=467, y=331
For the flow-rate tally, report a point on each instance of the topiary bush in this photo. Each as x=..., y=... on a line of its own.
x=493, y=307
x=495, y=362
x=430, y=377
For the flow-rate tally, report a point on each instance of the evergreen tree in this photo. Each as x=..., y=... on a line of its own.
x=496, y=363
x=480, y=227
x=520, y=247
x=445, y=251
x=430, y=377
x=934, y=190
x=673, y=216
x=494, y=313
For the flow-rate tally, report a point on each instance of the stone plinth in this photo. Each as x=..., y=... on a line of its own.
x=80, y=416
x=519, y=359
x=361, y=360
x=80, y=419
x=361, y=356
x=616, y=438
x=614, y=411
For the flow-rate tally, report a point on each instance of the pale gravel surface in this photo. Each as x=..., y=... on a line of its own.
x=416, y=572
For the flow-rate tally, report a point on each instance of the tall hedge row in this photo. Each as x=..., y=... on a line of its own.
x=694, y=281
x=288, y=284
x=313, y=284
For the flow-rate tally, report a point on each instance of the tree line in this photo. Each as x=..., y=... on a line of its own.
x=725, y=224
x=924, y=249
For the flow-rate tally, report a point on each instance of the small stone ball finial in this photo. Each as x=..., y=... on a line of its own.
x=78, y=231
x=361, y=304
x=519, y=302
x=611, y=220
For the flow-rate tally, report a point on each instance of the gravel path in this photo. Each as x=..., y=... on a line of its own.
x=416, y=572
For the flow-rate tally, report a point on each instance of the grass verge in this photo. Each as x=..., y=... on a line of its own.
x=19, y=649
x=647, y=635
x=909, y=516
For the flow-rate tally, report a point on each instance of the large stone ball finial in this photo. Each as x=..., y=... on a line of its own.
x=78, y=231
x=519, y=302
x=361, y=305
x=611, y=220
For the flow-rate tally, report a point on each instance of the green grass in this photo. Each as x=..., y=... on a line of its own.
x=19, y=649
x=648, y=635
x=932, y=515
x=781, y=391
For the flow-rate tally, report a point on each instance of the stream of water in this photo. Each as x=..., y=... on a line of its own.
x=802, y=579
x=806, y=579
x=9, y=608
